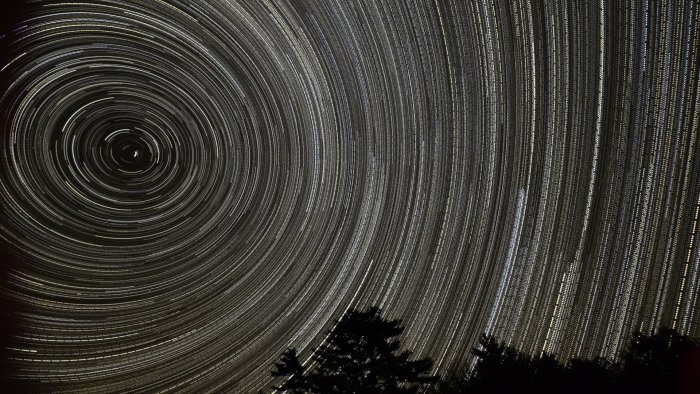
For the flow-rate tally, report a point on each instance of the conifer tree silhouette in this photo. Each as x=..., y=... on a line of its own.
x=664, y=362
x=290, y=366
x=360, y=355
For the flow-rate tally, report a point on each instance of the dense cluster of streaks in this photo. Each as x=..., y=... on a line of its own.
x=192, y=186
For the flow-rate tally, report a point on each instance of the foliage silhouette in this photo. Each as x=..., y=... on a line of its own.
x=360, y=355
x=598, y=375
x=665, y=362
x=290, y=366
x=655, y=364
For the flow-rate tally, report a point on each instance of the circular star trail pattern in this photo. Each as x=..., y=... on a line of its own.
x=190, y=187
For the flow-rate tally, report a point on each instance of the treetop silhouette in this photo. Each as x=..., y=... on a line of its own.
x=665, y=362
x=360, y=355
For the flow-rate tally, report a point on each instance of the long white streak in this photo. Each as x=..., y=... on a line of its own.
x=508, y=267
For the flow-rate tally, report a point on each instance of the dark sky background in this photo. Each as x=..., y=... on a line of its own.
x=190, y=187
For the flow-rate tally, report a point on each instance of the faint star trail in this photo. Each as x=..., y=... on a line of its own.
x=190, y=187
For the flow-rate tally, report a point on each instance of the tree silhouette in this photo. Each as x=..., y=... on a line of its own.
x=665, y=362
x=504, y=369
x=598, y=375
x=290, y=366
x=653, y=364
x=360, y=355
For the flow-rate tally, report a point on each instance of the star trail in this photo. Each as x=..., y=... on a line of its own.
x=190, y=187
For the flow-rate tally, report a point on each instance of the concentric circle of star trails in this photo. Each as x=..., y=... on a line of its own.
x=193, y=186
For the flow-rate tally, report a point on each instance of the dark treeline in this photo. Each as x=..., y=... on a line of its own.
x=665, y=362
x=360, y=355
x=363, y=355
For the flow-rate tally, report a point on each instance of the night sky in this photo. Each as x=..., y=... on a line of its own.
x=190, y=187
